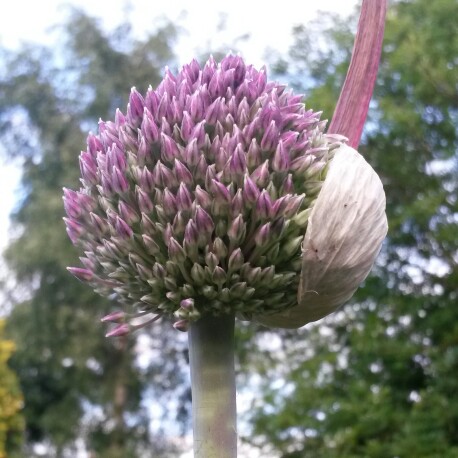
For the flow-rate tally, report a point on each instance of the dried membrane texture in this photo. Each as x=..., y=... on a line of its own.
x=344, y=235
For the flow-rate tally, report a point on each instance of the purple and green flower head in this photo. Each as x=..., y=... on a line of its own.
x=220, y=192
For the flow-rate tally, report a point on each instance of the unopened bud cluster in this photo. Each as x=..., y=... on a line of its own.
x=196, y=200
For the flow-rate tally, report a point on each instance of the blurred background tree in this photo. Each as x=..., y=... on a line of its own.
x=76, y=383
x=11, y=419
x=378, y=379
x=375, y=380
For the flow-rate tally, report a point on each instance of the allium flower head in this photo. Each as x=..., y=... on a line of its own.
x=219, y=192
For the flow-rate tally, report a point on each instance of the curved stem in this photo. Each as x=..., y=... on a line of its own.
x=353, y=104
x=211, y=354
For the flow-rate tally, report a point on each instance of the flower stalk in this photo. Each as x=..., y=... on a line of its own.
x=211, y=354
x=351, y=109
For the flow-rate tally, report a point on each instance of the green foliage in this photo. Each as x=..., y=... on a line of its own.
x=378, y=378
x=11, y=419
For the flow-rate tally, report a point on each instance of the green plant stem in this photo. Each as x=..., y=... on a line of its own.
x=214, y=413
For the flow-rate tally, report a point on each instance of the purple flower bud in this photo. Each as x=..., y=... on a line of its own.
x=88, y=168
x=181, y=325
x=280, y=162
x=199, y=134
x=315, y=169
x=151, y=101
x=179, y=224
x=119, y=181
x=195, y=106
x=169, y=81
x=238, y=161
x=147, y=226
x=203, y=198
x=169, y=149
x=120, y=119
x=127, y=138
x=254, y=154
x=219, y=276
x=184, y=198
x=191, y=153
x=261, y=175
x=164, y=103
x=176, y=252
x=211, y=260
x=191, y=234
x=116, y=157
x=107, y=187
x=98, y=223
x=237, y=203
x=123, y=229
x=219, y=248
x=237, y=230
x=222, y=158
x=119, y=331
x=216, y=111
x=170, y=202
x=182, y=174
x=200, y=171
x=250, y=190
x=302, y=163
x=143, y=151
x=210, y=175
x=148, y=128
x=144, y=273
x=114, y=317
x=187, y=303
x=187, y=126
x=287, y=185
x=220, y=193
x=71, y=205
x=294, y=205
x=81, y=274
x=235, y=260
x=145, y=179
x=135, y=106
x=143, y=200
x=151, y=246
x=128, y=214
x=198, y=274
x=74, y=229
x=262, y=235
x=270, y=137
x=264, y=205
x=94, y=145
x=289, y=139
x=167, y=233
x=279, y=206
x=203, y=221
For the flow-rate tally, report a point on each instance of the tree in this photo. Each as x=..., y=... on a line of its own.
x=76, y=383
x=11, y=420
x=377, y=379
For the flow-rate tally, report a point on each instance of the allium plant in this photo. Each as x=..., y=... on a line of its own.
x=219, y=194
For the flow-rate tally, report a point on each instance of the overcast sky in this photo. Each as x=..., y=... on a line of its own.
x=268, y=26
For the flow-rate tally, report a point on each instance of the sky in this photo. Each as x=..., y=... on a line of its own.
x=28, y=21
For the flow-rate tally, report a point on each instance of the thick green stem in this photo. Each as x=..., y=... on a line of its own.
x=211, y=354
